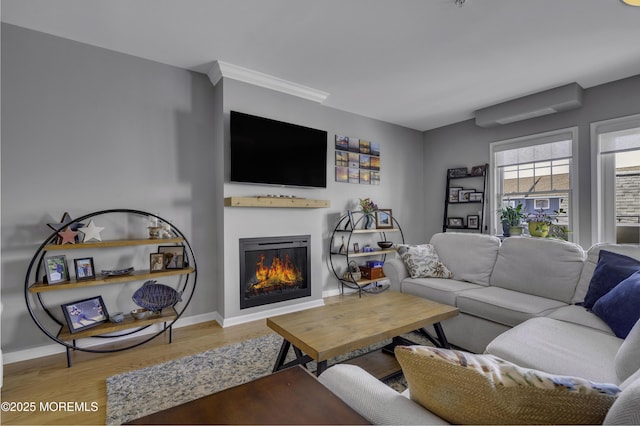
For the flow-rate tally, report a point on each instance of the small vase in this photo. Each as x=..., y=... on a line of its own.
x=368, y=221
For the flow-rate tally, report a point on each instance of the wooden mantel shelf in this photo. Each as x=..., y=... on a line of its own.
x=281, y=202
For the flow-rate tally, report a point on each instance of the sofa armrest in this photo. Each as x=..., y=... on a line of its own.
x=374, y=400
x=395, y=271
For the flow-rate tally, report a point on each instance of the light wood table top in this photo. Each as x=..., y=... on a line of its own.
x=331, y=330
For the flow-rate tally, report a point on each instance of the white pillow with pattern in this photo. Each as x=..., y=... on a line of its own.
x=422, y=261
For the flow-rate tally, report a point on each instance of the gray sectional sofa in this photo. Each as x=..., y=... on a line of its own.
x=518, y=301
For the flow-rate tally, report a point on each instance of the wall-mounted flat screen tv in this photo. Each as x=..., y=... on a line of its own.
x=271, y=152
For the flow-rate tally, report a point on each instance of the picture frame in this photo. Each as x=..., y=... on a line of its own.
x=84, y=268
x=455, y=222
x=356, y=248
x=384, y=219
x=477, y=170
x=173, y=256
x=86, y=313
x=457, y=172
x=453, y=194
x=473, y=221
x=56, y=269
x=464, y=194
x=156, y=262
x=476, y=197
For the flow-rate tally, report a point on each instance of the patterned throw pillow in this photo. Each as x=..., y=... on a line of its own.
x=422, y=261
x=463, y=388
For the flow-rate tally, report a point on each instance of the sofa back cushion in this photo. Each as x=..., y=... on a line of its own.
x=593, y=254
x=627, y=360
x=470, y=257
x=539, y=266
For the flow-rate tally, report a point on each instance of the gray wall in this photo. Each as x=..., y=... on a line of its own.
x=465, y=144
x=87, y=129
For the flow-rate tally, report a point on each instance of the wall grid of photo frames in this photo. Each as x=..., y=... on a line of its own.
x=357, y=161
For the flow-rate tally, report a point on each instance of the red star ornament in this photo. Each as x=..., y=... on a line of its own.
x=68, y=236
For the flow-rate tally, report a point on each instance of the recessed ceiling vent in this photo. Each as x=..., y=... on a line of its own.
x=550, y=101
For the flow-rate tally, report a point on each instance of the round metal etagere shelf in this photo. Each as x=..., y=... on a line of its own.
x=36, y=288
x=348, y=226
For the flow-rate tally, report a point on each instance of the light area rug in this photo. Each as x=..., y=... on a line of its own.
x=141, y=392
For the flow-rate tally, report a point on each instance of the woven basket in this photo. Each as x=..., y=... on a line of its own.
x=353, y=272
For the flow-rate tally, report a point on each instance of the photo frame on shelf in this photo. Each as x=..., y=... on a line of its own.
x=156, y=262
x=455, y=222
x=356, y=248
x=56, y=269
x=457, y=172
x=476, y=196
x=173, y=256
x=84, y=268
x=384, y=219
x=473, y=221
x=477, y=170
x=86, y=313
x=453, y=194
x=464, y=195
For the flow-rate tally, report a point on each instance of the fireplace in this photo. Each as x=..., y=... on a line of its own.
x=274, y=269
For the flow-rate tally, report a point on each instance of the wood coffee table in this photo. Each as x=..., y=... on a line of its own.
x=324, y=332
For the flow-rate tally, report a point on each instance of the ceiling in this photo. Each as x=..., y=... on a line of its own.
x=417, y=63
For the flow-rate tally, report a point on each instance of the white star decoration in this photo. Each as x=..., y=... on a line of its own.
x=91, y=232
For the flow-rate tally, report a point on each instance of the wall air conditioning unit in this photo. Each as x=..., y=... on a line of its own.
x=550, y=101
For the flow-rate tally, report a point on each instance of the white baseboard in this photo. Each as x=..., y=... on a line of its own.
x=54, y=348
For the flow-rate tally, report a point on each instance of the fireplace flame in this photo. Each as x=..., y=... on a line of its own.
x=280, y=273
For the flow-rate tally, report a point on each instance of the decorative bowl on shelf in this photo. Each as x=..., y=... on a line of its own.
x=385, y=244
x=155, y=297
x=139, y=313
x=116, y=317
x=117, y=272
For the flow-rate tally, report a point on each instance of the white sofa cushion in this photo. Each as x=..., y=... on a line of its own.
x=627, y=359
x=626, y=409
x=374, y=400
x=469, y=256
x=539, y=266
x=439, y=290
x=504, y=306
x=560, y=347
x=581, y=316
x=631, y=250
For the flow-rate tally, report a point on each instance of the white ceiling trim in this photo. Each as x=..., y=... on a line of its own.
x=223, y=69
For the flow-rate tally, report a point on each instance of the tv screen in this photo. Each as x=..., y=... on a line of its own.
x=266, y=151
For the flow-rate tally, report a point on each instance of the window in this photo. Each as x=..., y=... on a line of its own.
x=536, y=171
x=616, y=150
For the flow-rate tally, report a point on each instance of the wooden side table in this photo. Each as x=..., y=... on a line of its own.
x=290, y=396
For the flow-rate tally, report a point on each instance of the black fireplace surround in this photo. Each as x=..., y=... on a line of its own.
x=274, y=269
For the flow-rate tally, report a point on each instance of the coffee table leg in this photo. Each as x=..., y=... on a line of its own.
x=322, y=365
x=282, y=355
x=441, y=336
x=441, y=340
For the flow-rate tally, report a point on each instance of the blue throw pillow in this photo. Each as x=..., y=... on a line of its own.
x=612, y=268
x=620, y=308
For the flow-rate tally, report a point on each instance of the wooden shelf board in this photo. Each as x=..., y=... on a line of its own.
x=40, y=287
x=166, y=315
x=275, y=202
x=364, y=283
x=113, y=243
x=369, y=231
x=363, y=254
